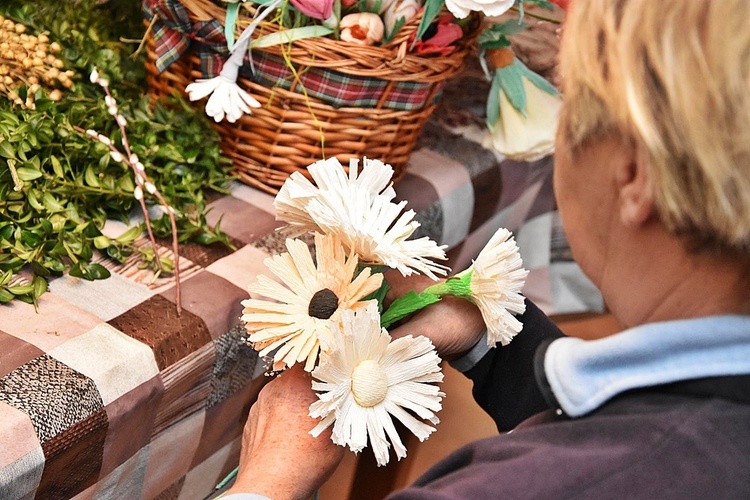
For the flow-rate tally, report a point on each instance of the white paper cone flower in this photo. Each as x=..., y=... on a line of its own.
x=495, y=279
x=358, y=209
x=308, y=306
x=530, y=137
x=366, y=379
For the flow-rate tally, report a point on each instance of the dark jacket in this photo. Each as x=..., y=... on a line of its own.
x=689, y=439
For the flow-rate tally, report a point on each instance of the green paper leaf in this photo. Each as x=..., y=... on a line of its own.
x=512, y=84
x=493, y=101
x=379, y=295
x=229, y=24
x=290, y=35
x=431, y=9
x=538, y=80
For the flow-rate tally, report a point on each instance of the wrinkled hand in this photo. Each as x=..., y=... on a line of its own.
x=453, y=325
x=279, y=458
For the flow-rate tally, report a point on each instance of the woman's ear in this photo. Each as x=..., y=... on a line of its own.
x=634, y=184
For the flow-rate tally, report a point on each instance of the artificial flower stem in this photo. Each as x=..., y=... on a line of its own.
x=457, y=286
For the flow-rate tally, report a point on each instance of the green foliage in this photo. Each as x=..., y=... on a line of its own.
x=59, y=186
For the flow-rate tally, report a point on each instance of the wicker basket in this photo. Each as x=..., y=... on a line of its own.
x=292, y=129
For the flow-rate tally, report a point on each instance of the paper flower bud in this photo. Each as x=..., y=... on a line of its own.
x=94, y=75
x=317, y=9
x=529, y=137
x=116, y=156
x=363, y=28
x=399, y=9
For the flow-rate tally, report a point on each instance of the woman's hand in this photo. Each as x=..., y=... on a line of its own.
x=453, y=325
x=279, y=458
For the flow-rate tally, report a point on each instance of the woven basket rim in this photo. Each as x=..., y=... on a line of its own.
x=390, y=62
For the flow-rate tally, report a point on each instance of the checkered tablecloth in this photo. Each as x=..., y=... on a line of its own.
x=106, y=393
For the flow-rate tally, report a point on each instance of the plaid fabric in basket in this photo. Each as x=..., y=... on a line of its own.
x=339, y=89
x=174, y=35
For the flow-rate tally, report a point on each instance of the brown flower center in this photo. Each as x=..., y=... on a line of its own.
x=323, y=304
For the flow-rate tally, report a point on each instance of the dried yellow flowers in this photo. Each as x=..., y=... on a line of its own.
x=30, y=60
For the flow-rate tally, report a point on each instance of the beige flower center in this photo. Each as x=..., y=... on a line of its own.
x=323, y=304
x=369, y=383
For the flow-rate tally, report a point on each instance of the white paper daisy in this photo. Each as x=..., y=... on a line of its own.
x=366, y=379
x=495, y=281
x=308, y=306
x=358, y=209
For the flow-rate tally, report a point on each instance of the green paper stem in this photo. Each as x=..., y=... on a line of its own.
x=457, y=286
x=406, y=305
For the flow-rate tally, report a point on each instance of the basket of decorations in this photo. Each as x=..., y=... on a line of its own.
x=291, y=81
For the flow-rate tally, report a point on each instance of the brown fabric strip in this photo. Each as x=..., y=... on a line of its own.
x=15, y=352
x=241, y=220
x=212, y=298
x=417, y=191
x=172, y=492
x=73, y=458
x=187, y=385
x=131, y=423
x=488, y=185
x=156, y=324
x=203, y=255
x=225, y=421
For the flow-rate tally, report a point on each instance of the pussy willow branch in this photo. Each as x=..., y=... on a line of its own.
x=142, y=181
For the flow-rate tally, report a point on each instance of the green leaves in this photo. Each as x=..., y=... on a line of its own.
x=58, y=186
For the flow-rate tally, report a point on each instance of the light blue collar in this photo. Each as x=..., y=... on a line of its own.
x=585, y=374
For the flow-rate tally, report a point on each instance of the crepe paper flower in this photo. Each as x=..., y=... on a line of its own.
x=493, y=282
x=317, y=9
x=522, y=110
x=362, y=28
x=366, y=380
x=357, y=208
x=227, y=99
x=399, y=13
x=447, y=33
x=462, y=8
x=308, y=306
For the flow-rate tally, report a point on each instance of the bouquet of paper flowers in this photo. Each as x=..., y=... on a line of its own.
x=325, y=308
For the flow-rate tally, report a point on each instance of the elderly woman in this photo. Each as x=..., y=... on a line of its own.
x=653, y=185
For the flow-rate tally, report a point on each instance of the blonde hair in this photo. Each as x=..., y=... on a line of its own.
x=674, y=77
